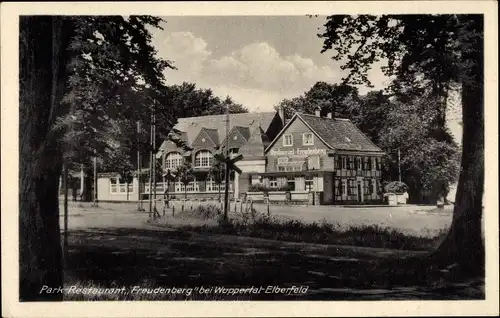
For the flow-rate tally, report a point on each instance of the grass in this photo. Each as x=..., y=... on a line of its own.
x=208, y=219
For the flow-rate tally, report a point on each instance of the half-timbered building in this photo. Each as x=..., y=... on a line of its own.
x=327, y=156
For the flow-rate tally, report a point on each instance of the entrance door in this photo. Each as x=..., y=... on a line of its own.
x=360, y=194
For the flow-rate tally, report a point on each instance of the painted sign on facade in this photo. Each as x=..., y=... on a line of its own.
x=298, y=152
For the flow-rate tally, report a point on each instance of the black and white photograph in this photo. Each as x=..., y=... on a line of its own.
x=335, y=153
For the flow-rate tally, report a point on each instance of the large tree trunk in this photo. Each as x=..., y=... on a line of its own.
x=40, y=255
x=464, y=243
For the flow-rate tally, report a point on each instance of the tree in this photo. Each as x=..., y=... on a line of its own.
x=186, y=100
x=370, y=114
x=425, y=157
x=217, y=174
x=75, y=74
x=339, y=100
x=445, y=51
x=185, y=175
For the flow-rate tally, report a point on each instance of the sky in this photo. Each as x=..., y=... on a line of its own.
x=256, y=60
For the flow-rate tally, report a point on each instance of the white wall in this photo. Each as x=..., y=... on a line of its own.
x=252, y=165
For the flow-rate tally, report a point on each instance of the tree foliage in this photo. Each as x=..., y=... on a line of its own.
x=339, y=100
x=79, y=75
x=439, y=52
x=185, y=174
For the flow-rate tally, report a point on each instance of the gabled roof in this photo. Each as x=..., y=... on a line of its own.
x=336, y=133
x=211, y=134
x=192, y=125
x=255, y=145
x=169, y=144
x=242, y=132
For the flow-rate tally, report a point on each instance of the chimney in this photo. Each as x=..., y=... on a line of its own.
x=281, y=113
x=329, y=115
x=317, y=112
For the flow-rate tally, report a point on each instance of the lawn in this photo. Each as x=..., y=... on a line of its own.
x=114, y=246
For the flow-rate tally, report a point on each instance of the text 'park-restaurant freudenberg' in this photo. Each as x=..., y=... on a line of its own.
x=328, y=159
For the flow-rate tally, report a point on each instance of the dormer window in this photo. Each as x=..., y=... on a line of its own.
x=307, y=139
x=287, y=140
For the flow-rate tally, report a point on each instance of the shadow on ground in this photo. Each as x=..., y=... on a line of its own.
x=128, y=257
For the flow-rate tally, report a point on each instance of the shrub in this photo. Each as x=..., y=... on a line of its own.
x=204, y=212
x=255, y=224
x=262, y=188
x=396, y=187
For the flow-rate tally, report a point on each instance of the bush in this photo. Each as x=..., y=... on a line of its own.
x=255, y=224
x=204, y=212
x=262, y=188
x=396, y=187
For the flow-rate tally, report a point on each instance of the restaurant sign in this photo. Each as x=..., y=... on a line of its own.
x=298, y=152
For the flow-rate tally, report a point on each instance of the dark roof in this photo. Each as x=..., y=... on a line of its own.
x=256, y=143
x=192, y=125
x=339, y=134
x=336, y=133
x=212, y=133
x=215, y=125
x=244, y=131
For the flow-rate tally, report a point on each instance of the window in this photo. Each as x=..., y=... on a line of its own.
x=344, y=187
x=351, y=189
x=211, y=186
x=192, y=186
x=113, y=185
x=179, y=187
x=313, y=163
x=173, y=160
x=203, y=158
x=349, y=163
x=367, y=187
x=309, y=183
x=287, y=140
x=344, y=162
x=307, y=139
x=291, y=183
x=338, y=162
x=358, y=165
x=273, y=182
x=368, y=163
x=338, y=190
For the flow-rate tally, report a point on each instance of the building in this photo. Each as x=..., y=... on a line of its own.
x=323, y=155
x=310, y=159
x=249, y=134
